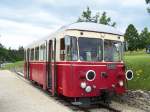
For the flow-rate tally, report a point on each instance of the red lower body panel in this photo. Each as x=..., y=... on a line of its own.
x=71, y=74
x=38, y=72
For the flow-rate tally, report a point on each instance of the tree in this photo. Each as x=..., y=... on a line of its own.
x=106, y=20
x=132, y=37
x=144, y=38
x=21, y=53
x=3, y=53
x=103, y=19
x=148, y=2
x=9, y=55
x=148, y=39
x=86, y=16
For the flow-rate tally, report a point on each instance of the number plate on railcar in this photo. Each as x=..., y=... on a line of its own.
x=111, y=66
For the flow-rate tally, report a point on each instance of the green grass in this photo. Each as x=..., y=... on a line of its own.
x=18, y=64
x=134, y=53
x=139, y=62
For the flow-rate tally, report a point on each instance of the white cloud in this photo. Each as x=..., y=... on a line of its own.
x=30, y=15
x=15, y=40
x=132, y=3
x=14, y=34
x=21, y=27
x=68, y=3
x=43, y=16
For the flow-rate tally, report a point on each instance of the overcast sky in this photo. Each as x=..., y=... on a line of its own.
x=23, y=21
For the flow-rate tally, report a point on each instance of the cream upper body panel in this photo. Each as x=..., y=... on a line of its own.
x=89, y=34
x=89, y=29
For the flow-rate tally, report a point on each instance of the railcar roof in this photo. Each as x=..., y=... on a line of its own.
x=82, y=26
x=95, y=27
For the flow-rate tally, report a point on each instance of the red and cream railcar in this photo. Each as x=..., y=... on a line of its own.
x=81, y=60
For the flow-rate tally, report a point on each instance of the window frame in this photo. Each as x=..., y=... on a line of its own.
x=120, y=53
x=64, y=51
x=32, y=54
x=42, y=52
x=36, y=55
x=102, y=47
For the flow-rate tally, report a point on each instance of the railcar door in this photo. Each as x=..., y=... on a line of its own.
x=27, y=64
x=51, y=81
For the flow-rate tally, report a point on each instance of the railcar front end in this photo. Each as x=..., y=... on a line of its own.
x=92, y=66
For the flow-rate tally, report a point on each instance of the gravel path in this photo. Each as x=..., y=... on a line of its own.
x=18, y=96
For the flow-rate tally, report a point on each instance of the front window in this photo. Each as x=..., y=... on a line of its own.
x=90, y=49
x=112, y=50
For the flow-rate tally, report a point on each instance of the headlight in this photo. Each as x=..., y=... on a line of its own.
x=88, y=89
x=121, y=83
x=83, y=85
x=90, y=75
x=129, y=75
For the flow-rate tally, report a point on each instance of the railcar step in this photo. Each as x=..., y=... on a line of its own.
x=76, y=103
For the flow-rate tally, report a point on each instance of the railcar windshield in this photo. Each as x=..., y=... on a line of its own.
x=112, y=50
x=90, y=49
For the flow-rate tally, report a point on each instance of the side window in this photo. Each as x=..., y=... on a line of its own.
x=51, y=51
x=32, y=54
x=42, y=52
x=37, y=53
x=74, y=50
x=62, y=49
x=68, y=49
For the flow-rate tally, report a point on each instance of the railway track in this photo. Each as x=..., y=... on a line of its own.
x=64, y=102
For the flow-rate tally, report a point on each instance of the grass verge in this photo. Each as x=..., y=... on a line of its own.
x=140, y=64
x=9, y=66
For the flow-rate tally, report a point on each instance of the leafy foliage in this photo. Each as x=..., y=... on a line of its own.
x=106, y=20
x=144, y=38
x=86, y=16
x=3, y=53
x=148, y=2
x=137, y=41
x=11, y=55
x=132, y=38
x=103, y=19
